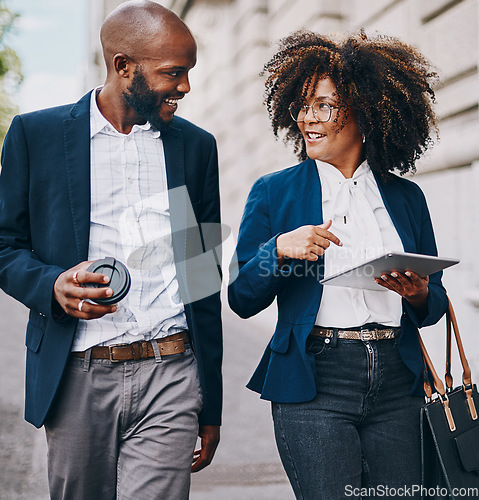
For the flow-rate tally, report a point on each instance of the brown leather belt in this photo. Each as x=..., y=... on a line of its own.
x=173, y=344
x=364, y=335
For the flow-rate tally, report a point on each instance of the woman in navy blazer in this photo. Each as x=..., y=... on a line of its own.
x=347, y=394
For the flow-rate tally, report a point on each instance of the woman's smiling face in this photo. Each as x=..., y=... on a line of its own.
x=336, y=141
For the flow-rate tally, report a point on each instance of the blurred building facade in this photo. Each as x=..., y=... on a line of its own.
x=235, y=38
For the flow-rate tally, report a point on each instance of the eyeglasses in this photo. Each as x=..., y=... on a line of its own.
x=321, y=111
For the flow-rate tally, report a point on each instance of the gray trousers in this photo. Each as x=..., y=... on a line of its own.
x=124, y=430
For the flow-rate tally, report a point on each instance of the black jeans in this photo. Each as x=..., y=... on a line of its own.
x=362, y=429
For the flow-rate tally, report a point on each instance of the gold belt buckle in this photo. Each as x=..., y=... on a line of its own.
x=367, y=335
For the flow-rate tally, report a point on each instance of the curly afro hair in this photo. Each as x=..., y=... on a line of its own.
x=386, y=83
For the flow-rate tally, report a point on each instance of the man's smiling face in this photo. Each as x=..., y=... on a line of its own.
x=161, y=79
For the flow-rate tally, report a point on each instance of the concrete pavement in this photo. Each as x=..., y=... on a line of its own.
x=22, y=447
x=246, y=465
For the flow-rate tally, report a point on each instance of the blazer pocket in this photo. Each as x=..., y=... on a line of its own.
x=35, y=332
x=280, y=341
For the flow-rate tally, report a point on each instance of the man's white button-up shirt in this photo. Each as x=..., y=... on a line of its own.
x=130, y=221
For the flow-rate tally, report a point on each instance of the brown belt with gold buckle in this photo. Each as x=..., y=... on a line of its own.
x=173, y=344
x=364, y=335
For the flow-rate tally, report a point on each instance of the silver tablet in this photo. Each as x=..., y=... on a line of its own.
x=362, y=276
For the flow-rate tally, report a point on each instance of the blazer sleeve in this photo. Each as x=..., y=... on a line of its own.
x=437, y=302
x=22, y=274
x=255, y=277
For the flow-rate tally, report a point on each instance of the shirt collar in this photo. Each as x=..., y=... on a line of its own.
x=147, y=126
x=332, y=178
x=98, y=122
x=335, y=174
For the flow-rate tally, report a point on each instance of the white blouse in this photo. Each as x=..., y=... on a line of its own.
x=362, y=223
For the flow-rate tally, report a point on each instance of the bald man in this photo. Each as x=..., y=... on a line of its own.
x=123, y=389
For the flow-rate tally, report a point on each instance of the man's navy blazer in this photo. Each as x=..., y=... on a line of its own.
x=279, y=203
x=44, y=230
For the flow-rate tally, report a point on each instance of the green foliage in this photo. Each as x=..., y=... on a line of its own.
x=10, y=70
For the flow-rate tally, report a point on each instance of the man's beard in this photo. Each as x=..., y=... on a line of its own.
x=144, y=101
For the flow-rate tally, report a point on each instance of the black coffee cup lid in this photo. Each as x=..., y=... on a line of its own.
x=120, y=280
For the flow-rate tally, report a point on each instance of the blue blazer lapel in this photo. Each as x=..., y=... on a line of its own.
x=312, y=199
x=174, y=156
x=76, y=135
x=295, y=198
x=173, y=146
x=186, y=234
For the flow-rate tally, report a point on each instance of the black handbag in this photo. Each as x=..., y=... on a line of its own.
x=450, y=427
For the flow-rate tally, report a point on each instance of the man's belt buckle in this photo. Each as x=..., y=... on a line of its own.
x=110, y=352
x=367, y=335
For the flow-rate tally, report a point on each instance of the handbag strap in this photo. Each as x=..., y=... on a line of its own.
x=466, y=375
x=448, y=375
x=439, y=386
